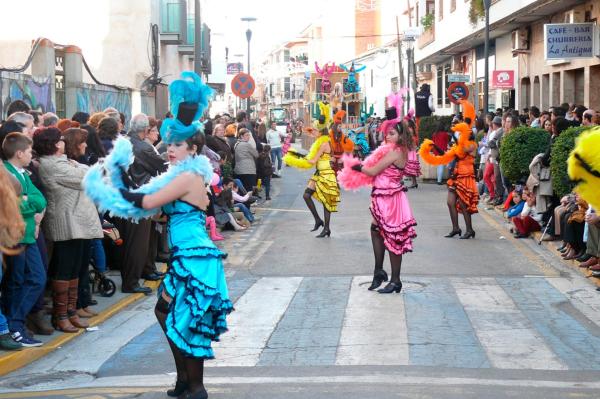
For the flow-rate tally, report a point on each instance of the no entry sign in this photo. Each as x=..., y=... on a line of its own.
x=458, y=91
x=242, y=85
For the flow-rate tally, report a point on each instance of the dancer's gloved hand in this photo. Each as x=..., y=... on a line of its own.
x=358, y=167
x=127, y=180
x=135, y=198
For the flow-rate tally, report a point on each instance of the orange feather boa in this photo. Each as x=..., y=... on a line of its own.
x=464, y=146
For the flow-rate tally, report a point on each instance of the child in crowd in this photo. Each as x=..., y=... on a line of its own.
x=518, y=202
x=529, y=219
x=26, y=275
x=265, y=170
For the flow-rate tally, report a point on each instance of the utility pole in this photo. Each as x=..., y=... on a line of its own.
x=400, y=69
x=197, y=38
x=248, y=38
x=486, y=54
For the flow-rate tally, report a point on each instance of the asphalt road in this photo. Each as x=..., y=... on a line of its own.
x=491, y=317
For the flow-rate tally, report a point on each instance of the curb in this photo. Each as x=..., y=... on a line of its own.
x=14, y=360
x=552, y=248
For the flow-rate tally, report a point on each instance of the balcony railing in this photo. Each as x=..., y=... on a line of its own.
x=172, y=21
x=427, y=37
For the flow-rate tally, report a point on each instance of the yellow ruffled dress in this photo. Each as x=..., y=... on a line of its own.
x=327, y=190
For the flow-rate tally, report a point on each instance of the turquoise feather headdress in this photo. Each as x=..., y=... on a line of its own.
x=191, y=91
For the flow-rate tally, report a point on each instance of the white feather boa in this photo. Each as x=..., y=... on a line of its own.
x=103, y=181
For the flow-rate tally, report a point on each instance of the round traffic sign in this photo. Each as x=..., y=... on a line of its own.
x=457, y=91
x=242, y=85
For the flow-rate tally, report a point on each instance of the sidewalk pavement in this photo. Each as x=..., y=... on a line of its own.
x=107, y=307
x=551, y=246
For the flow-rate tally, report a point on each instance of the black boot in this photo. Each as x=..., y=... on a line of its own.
x=379, y=276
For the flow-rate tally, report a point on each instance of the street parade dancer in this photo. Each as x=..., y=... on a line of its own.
x=392, y=226
x=323, y=184
x=193, y=300
x=463, y=195
x=340, y=143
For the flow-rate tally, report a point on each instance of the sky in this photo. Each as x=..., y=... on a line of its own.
x=277, y=21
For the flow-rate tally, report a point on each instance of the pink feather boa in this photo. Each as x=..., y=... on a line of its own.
x=350, y=179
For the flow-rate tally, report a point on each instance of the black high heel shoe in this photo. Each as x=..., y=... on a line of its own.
x=318, y=225
x=468, y=235
x=391, y=287
x=200, y=394
x=378, y=278
x=180, y=388
x=453, y=233
x=324, y=233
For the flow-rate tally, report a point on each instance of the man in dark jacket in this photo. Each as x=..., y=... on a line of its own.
x=423, y=103
x=140, y=242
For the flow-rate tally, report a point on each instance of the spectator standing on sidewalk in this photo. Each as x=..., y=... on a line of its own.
x=12, y=229
x=245, y=155
x=26, y=275
x=265, y=170
x=137, y=259
x=71, y=222
x=275, y=138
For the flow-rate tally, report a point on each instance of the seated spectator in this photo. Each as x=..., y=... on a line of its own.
x=593, y=242
x=573, y=231
x=518, y=203
x=225, y=215
x=529, y=220
x=24, y=119
x=240, y=203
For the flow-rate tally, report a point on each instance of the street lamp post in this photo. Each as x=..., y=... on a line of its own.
x=486, y=54
x=248, y=38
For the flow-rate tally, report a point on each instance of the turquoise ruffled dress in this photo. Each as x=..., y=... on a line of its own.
x=195, y=282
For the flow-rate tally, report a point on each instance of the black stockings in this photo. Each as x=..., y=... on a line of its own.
x=396, y=261
x=379, y=252
x=378, y=247
x=466, y=215
x=310, y=204
x=161, y=310
x=327, y=217
x=452, y=198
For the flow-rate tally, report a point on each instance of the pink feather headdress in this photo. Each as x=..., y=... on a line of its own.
x=395, y=101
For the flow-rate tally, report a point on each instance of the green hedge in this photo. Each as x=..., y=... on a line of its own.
x=561, y=148
x=428, y=125
x=518, y=149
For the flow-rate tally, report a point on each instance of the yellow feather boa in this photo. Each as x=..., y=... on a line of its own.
x=302, y=163
x=584, y=166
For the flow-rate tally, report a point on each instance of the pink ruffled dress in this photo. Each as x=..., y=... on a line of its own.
x=413, y=167
x=391, y=210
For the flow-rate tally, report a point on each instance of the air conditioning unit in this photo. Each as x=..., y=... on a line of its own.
x=575, y=15
x=520, y=39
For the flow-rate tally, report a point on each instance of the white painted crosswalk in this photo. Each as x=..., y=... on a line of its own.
x=455, y=322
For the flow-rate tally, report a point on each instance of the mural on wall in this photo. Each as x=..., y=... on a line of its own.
x=92, y=99
x=35, y=92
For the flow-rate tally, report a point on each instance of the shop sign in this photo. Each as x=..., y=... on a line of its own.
x=503, y=79
x=459, y=78
x=568, y=41
x=234, y=68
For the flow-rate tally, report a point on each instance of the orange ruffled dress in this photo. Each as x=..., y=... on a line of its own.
x=464, y=183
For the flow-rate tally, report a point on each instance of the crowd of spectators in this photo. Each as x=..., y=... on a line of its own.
x=57, y=233
x=533, y=204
